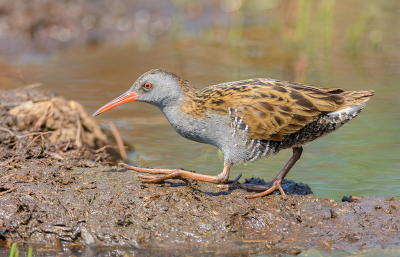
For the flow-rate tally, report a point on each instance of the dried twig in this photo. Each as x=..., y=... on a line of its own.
x=9, y=131
x=40, y=121
x=117, y=136
x=54, y=155
x=61, y=125
x=78, y=132
x=151, y=198
x=7, y=176
x=59, y=201
x=67, y=145
x=103, y=148
x=7, y=161
x=33, y=140
x=27, y=135
x=40, y=135
x=8, y=191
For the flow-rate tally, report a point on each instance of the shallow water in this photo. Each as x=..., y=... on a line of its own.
x=124, y=251
x=362, y=158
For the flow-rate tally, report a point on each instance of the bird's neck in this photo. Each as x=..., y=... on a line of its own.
x=185, y=96
x=195, y=103
x=189, y=92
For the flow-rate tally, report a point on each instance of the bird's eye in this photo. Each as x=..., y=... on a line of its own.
x=147, y=85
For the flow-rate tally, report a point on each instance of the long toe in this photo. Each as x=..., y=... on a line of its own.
x=183, y=175
x=276, y=185
x=158, y=179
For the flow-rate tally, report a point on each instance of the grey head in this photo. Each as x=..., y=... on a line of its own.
x=158, y=87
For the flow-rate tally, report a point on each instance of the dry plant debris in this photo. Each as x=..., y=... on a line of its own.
x=37, y=124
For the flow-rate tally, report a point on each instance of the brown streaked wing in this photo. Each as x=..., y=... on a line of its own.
x=282, y=108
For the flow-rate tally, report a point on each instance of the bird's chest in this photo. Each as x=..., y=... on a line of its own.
x=209, y=129
x=193, y=130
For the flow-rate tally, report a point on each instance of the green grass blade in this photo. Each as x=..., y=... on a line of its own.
x=12, y=250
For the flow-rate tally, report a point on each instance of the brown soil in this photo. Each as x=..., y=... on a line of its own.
x=60, y=195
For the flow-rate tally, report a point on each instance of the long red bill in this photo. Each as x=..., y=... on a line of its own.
x=124, y=98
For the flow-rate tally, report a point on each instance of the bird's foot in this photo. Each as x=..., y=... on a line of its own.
x=183, y=175
x=274, y=185
x=168, y=174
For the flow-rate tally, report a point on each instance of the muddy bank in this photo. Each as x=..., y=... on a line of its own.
x=109, y=206
x=66, y=192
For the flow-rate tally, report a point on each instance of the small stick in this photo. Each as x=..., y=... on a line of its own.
x=67, y=145
x=34, y=134
x=117, y=136
x=151, y=198
x=103, y=148
x=33, y=140
x=8, y=191
x=68, y=210
x=40, y=121
x=40, y=135
x=9, y=131
x=7, y=176
x=27, y=135
x=61, y=124
x=78, y=132
x=8, y=161
x=54, y=155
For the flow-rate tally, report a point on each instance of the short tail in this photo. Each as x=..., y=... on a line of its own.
x=356, y=97
x=353, y=104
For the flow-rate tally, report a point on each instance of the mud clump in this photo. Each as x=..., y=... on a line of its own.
x=56, y=192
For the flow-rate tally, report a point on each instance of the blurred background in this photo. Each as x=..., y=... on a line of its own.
x=92, y=51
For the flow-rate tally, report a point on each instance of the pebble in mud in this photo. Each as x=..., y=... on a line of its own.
x=87, y=237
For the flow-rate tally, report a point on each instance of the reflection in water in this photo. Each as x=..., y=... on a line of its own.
x=321, y=43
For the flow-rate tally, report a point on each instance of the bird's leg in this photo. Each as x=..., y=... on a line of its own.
x=275, y=184
x=179, y=174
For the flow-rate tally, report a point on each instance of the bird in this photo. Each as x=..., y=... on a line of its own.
x=247, y=120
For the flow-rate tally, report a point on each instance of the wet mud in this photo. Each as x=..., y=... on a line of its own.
x=60, y=194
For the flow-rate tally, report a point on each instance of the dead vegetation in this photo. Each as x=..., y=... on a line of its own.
x=38, y=124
